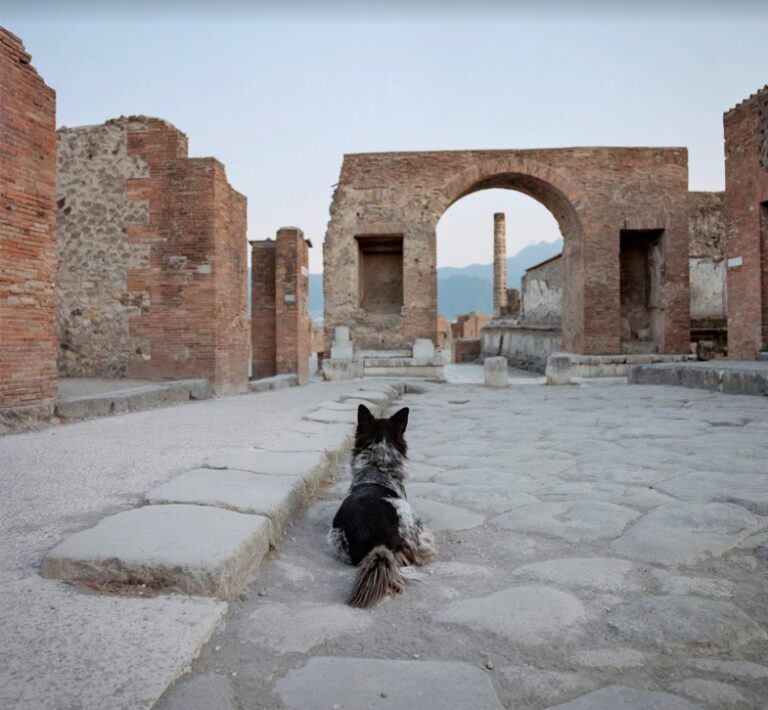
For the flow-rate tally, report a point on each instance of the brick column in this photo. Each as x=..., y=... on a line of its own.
x=28, y=342
x=746, y=218
x=292, y=322
x=499, y=263
x=263, y=344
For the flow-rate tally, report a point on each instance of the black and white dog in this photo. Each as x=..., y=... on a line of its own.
x=375, y=528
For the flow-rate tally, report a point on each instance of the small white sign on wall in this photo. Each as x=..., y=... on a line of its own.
x=304, y=271
x=735, y=261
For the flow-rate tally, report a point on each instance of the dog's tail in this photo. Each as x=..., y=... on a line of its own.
x=377, y=576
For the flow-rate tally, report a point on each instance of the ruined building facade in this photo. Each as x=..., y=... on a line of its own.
x=28, y=341
x=152, y=248
x=612, y=205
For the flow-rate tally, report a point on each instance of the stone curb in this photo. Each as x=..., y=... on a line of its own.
x=136, y=399
x=278, y=382
x=207, y=530
x=712, y=378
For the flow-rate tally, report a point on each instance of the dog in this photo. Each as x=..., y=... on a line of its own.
x=375, y=528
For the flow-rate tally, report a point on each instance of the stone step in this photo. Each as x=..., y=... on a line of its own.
x=193, y=549
x=763, y=356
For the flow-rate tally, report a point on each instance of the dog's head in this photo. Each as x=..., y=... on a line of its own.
x=381, y=433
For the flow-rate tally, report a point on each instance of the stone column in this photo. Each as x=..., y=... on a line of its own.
x=499, y=263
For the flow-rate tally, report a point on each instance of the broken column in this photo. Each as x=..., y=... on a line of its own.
x=499, y=263
x=28, y=341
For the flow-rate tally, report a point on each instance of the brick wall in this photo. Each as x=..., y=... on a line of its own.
x=466, y=349
x=746, y=215
x=281, y=327
x=153, y=271
x=594, y=193
x=28, y=341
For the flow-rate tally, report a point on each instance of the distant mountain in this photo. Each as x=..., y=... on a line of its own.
x=460, y=289
x=470, y=288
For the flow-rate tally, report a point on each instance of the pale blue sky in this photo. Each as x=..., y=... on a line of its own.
x=280, y=95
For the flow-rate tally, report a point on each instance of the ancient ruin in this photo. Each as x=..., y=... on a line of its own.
x=27, y=237
x=746, y=215
x=530, y=337
x=281, y=328
x=152, y=258
x=499, y=263
x=619, y=209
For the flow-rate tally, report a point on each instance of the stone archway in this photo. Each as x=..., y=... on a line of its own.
x=392, y=202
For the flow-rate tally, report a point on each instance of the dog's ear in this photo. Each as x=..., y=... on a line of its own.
x=364, y=417
x=399, y=420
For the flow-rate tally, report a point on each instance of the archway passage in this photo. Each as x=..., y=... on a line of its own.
x=594, y=193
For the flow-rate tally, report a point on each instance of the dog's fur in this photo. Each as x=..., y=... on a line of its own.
x=375, y=528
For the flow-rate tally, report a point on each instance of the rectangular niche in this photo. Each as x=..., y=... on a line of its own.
x=642, y=290
x=381, y=273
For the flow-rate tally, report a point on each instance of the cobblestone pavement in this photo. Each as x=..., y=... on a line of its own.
x=598, y=547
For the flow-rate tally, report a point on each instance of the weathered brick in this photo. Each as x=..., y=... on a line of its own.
x=27, y=236
x=746, y=215
x=594, y=193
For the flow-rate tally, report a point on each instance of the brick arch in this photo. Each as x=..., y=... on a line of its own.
x=541, y=182
x=595, y=194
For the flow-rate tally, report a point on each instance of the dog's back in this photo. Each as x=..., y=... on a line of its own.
x=375, y=528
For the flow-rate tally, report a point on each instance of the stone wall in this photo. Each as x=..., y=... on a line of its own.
x=281, y=326
x=469, y=325
x=594, y=193
x=706, y=226
x=27, y=238
x=746, y=215
x=524, y=346
x=542, y=292
x=152, y=257
x=93, y=301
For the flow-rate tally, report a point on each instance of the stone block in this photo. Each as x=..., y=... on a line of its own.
x=496, y=372
x=276, y=497
x=342, y=351
x=186, y=548
x=334, y=370
x=423, y=349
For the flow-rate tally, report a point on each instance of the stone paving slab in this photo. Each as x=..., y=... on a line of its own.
x=356, y=683
x=93, y=650
x=188, y=548
x=276, y=497
x=622, y=697
x=684, y=533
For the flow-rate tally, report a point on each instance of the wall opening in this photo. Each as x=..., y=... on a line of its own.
x=381, y=273
x=642, y=283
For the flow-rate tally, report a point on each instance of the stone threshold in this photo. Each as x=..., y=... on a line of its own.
x=276, y=382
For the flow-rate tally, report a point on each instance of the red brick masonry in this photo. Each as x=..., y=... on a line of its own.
x=746, y=216
x=28, y=343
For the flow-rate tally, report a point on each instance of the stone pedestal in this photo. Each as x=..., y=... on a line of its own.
x=496, y=374
x=341, y=348
x=423, y=349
